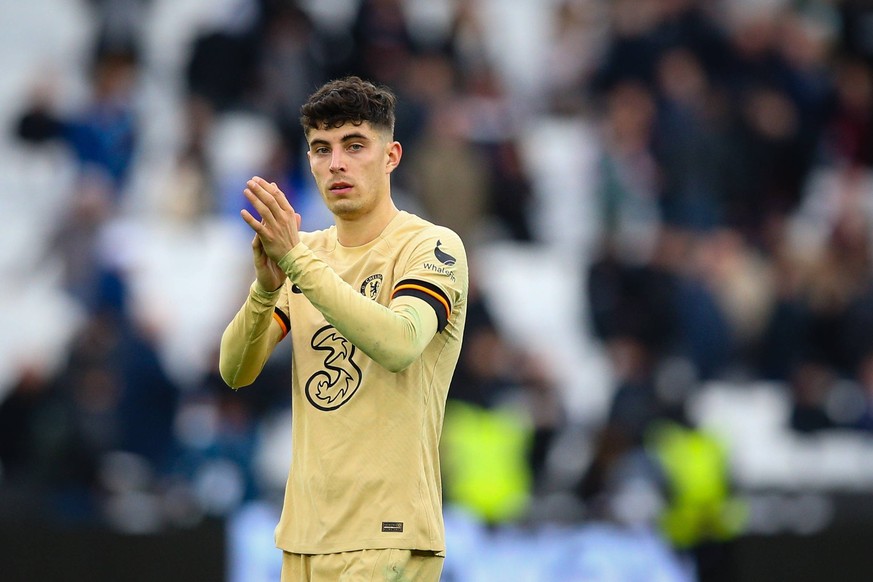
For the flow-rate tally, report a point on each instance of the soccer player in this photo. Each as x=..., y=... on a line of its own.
x=375, y=308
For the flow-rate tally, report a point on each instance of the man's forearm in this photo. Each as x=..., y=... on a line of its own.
x=249, y=339
x=394, y=338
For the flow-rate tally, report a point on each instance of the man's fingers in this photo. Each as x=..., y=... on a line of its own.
x=283, y=201
x=273, y=190
x=253, y=222
x=257, y=245
x=264, y=202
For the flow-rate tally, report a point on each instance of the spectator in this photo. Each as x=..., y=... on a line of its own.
x=104, y=134
x=690, y=143
x=449, y=175
x=630, y=215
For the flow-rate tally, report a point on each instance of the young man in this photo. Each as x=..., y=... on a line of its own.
x=375, y=309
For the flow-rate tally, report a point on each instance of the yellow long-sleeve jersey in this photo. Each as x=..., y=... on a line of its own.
x=376, y=333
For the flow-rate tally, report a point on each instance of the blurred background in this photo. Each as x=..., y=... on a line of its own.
x=668, y=369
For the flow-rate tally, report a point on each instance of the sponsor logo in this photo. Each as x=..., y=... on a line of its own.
x=339, y=379
x=442, y=256
x=371, y=285
x=440, y=269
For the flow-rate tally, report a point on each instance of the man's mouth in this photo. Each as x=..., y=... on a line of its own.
x=340, y=188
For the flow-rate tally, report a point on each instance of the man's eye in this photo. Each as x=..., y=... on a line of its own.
x=321, y=150
x=355, y=147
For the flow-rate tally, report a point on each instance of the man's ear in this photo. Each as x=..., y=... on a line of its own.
x=395, y=152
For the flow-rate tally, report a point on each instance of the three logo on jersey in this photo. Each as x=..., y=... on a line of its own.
x=340, y=377
x=336, y=383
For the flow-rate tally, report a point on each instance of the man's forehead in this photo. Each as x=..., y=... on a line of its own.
x=349, y=128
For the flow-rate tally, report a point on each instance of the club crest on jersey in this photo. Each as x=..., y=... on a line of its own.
x=339, y=378
x=371, y=285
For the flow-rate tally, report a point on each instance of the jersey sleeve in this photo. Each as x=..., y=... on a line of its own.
x=393, y=336
x=435, y=273
x=251, y=336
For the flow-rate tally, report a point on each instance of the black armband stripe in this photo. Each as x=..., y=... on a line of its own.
x=430, y=294
x=282, y=319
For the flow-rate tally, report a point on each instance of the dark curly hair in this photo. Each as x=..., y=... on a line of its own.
x=349, y=100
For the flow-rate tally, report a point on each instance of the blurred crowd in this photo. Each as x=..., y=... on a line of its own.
x=734, y=199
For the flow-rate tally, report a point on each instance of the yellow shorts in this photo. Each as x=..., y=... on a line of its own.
x=363, y=566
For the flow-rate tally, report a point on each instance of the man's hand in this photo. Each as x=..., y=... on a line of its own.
x=279, y=226
x=268, y=273
x=275, y=234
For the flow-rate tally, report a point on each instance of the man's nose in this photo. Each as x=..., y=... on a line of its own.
x=337, y=161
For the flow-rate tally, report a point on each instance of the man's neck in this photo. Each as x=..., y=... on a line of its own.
x=354, y=232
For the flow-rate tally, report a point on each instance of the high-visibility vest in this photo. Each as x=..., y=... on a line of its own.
x=700, y=506
x=485, y=461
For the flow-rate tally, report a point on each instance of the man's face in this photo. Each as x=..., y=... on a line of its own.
x=351, y=165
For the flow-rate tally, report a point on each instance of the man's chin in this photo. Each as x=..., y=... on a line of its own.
x=345, y=209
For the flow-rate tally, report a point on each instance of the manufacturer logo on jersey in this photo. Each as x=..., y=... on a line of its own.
x=371, y=285
x=442, y=256
x=340, y=377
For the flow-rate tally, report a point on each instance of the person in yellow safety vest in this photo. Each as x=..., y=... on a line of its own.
x=485, y=461
x=700, y=505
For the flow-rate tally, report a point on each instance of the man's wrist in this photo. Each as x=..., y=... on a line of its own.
x=258, y=290
x=286, y=262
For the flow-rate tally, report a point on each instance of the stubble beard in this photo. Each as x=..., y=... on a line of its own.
x=345, y=208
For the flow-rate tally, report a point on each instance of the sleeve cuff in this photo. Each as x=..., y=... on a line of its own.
x=261, y=295
x=286, y=263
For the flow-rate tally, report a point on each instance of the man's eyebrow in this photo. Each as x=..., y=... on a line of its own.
x=347, y=137
x=355, y=135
